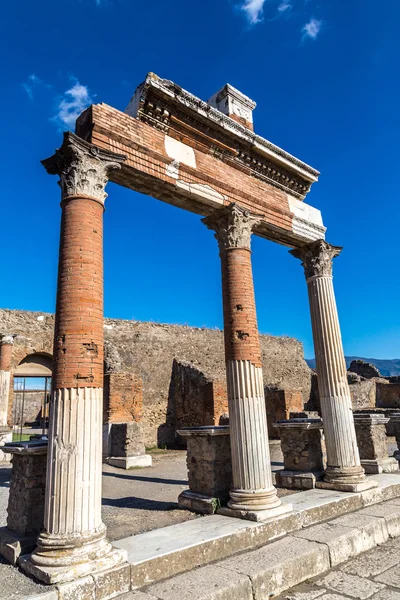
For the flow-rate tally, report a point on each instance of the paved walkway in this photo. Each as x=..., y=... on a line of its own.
x=374, y=574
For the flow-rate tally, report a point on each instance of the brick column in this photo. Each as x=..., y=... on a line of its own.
x=252, y=491
x=6, y=344
x=344, y=471
x=74, y=539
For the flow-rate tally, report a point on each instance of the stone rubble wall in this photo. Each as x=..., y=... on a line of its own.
x=148, y=350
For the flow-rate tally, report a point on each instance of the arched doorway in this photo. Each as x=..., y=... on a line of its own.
x=32, y=384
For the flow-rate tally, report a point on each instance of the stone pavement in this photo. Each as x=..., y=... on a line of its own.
x=374, y=574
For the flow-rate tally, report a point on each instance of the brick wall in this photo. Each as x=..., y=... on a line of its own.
x=123, y=398
x=148, y=350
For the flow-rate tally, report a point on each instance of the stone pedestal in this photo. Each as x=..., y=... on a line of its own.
x=209, y=466
x=301, y=443
x=344, y=471
x=26, y=500
x=127, y=449
x=5, y=438
x=372, y=445
x=253, y=495
x=395, y=428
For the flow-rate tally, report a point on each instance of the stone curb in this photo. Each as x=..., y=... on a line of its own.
x=281, y=564
x=315, y=506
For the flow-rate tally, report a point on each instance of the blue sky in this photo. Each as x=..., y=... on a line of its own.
x=325, y=76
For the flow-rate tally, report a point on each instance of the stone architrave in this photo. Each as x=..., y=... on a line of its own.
x=253, y=495
x=372, y=444
x=344, y=471
x=73, y=543
x=209, y=466
x=302, y=448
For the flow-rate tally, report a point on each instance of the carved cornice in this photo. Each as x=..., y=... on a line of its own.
x=157, y=99
x=233, y=226
x=316, y=258
x=83, y=168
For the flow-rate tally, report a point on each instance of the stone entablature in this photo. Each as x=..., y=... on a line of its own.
x=181, y=150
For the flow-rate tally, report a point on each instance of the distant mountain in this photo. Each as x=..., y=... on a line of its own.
x=387, y=367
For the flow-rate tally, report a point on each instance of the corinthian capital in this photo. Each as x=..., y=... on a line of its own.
x=233, y=226
x=83, y=168
x=316, y=257
x=7, y=338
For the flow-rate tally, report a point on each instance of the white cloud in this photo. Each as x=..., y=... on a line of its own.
x=253, y=10
x=74, y=101
x=312, y=29
x=32, y=83
x=284, y=6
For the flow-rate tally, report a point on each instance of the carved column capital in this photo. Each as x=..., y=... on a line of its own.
x=7, y=338
x=316, y=258
x=233, y=226
x=83, y=168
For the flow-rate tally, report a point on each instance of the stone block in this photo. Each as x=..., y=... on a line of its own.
x=198, y=503
x=280, y=565
x=295, y=480
x=390, y=577
x=14, y=545
x=372, y=442
x=126, y=439
x=27, y=490
x=207, y=583
x=345, y=541
x=375, y=561
x=209, y=461
x=113, y=582
x=387, y=511
x=131, y=462
x=80, y=589
x=301, y=443
x=351, y=585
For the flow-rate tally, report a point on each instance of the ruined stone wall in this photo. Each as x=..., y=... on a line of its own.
x=148, y=351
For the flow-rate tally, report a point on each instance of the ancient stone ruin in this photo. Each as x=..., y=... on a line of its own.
x=108, y=399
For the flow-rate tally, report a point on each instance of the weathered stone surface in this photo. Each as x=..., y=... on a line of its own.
x=27, y=490
x=280, y=565
x=364, y=369
x=149, y=349
x=206, y=583
x=373, y=529
x=209, y=461
x=371, y=435
x=343, y=542
x=112, y=582
x=280, y=403
x=304, y=591
x=80, y=589
x=123, y=397
x=387, y=511
x=390, y=577
x=126, y=440
x=351, y=585
x=301, y=443
x=375, y=561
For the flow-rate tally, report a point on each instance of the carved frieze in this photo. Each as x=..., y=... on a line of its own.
x=83, y=168
x=316, y=258
x=233, y=226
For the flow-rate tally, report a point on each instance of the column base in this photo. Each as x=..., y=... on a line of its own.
x=63, y=574
x=130, y=462
x=380, y=465
x=342, y=486
x=259, y=516
x=254, y=501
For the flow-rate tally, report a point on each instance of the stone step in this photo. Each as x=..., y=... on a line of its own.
x=282, y=564
x=166, y=552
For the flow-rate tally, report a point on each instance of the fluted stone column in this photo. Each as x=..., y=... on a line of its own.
x=74, y=542
x=253, y=495
x=344, y=471
x=6, y=344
